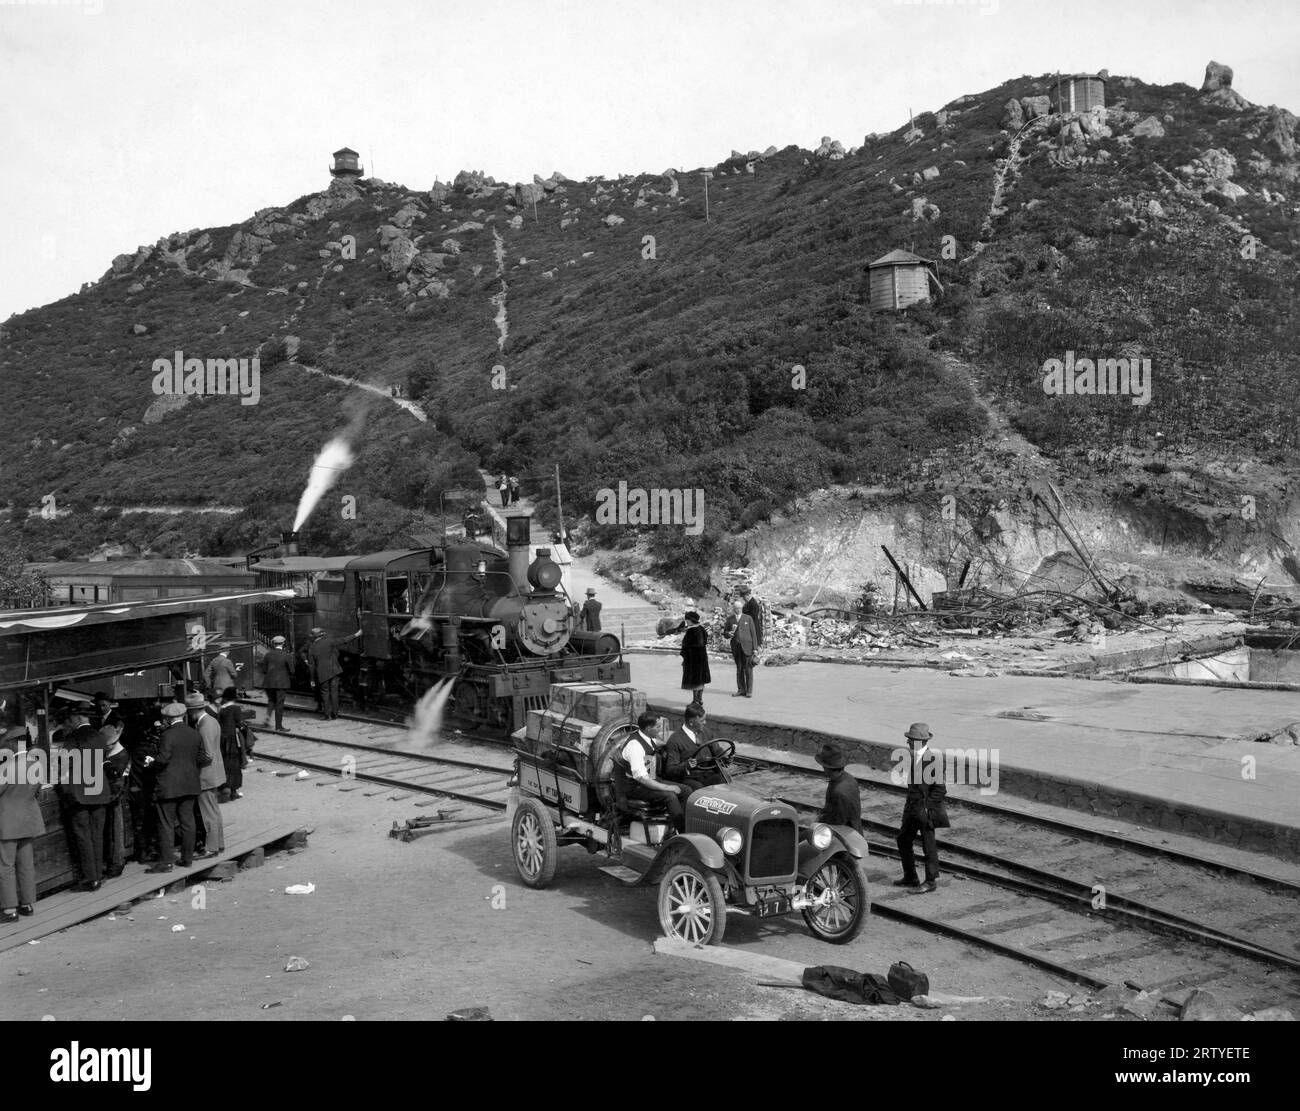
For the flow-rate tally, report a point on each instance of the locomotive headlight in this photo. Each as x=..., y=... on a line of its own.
x=821, y=837
x=730, y=840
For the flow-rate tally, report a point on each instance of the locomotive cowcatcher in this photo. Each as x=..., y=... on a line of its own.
x=501, y=626
x=738, y=854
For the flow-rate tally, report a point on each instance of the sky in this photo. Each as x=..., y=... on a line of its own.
x=125, y=120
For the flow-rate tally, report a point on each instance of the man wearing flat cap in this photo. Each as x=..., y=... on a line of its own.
x=924, y=810
x=179, y=761
x=843, y=796
x=276, y=668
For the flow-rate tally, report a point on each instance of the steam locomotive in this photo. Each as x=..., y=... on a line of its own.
x=499, y=625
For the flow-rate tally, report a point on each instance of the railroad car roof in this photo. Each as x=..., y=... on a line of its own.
x=13, y=622
x=292, y=565
x=379, y=561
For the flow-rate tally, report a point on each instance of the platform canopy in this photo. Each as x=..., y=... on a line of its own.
x=65, y=617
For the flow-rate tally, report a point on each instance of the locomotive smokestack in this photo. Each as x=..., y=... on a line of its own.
x=289, y=541
x=519, y=530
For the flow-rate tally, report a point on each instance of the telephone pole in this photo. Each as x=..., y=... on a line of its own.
x=559, y=505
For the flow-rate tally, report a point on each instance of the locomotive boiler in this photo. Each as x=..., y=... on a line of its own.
x=499, y=623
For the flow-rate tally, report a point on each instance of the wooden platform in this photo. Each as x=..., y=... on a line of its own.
x=69, y=908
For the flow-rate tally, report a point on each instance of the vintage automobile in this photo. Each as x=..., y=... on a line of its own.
x=738, y=854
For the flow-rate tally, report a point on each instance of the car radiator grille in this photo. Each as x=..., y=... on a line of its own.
x=772, y=849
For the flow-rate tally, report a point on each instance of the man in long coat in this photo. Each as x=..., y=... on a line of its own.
x=213, y=776
x=277, y=667
x=326, y=669
x=180, y=759
x=20, y=824
x=924, y=810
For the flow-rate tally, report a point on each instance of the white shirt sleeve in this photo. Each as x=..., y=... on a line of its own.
x=634, y=754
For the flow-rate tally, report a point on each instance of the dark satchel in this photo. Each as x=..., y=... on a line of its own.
x=249, y=738
x=906, y=982
x=848, y=986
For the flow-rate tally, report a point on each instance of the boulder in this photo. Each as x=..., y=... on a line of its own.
x=1204, y=1006
x=451, y=246
x=1270, y=1014
x=439, y=193
x=1154, y=209
x=135, y=287
x=121, y=264
x=1149, y=128
x=1216, y=77
x=1219, y=164
x=930, y=173
x=406, y=215
x=923, y=210
x=398, y=256
x=829, y=148
x=516, y=222
x=1035, y=106
x=612, y=221
x=1013, y=118
x=1229, y=189
x=1280, y=130
x=139, y=329
x=426, y=264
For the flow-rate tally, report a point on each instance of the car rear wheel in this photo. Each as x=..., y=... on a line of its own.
x=842, y=883
x=532, y=837
x=691, y=905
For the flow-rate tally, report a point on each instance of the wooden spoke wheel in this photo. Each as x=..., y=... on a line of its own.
x=841, y=884
x=532, y=839
x=691, y=905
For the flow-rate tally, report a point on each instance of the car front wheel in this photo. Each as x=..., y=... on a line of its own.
x=841, y=885
x=691, y=905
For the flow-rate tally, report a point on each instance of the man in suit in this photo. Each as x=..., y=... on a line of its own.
x=213, y=776
x=681, y=754
x=86, y=794
x=117, y=766
x=755, y=611
x=744, y=643
x=924, y=810
x=843, y=796
x=20, y=824
x=589, y=619
x=276, y=668
x=179, y=760
x=326, y=669
x=635, y=769
x=221, y=674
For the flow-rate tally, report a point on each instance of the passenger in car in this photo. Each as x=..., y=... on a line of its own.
x=635, y=765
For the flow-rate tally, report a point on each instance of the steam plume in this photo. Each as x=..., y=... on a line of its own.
x=334, y=458
x=426, y=723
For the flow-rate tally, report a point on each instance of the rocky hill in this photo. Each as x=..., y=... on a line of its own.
x=611, y=327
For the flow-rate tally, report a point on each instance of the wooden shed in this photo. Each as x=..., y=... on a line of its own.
x=1081, y=92
x=900, y=279
x=347, y=163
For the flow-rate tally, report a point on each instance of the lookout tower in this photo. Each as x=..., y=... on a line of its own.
x=1081, y=92
x=347, y=164
x=900, y=279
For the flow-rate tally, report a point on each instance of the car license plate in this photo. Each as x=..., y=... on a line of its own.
x=767, y=908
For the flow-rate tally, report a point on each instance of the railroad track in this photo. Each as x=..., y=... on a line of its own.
x=1094, y=907
x=1102, y=909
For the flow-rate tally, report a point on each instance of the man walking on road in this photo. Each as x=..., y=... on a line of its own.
x=275, y=681
x=924, y=810
x=589, y=618
x=326, y=669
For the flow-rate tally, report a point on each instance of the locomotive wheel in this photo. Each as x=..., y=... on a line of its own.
x=532, y=839
x=844, y=882
x=691, y=905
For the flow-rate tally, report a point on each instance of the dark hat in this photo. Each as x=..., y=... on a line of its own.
x=194, y=701
x=918, y=731
x=692, y=615
x=831, y=755
x=591, y=590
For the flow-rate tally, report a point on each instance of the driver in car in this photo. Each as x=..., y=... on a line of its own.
x=683, y=756
x=636, y=762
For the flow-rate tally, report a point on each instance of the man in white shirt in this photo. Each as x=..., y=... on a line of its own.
x=635, y=765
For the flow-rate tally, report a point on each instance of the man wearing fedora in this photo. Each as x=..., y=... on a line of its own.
x=924, y=810
x=843, y=796
x=326, y=669
x=179, y=761
x=589, y=618
x=213, y=776
x=276, y=668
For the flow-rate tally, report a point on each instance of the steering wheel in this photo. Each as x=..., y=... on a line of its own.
x=720, y=755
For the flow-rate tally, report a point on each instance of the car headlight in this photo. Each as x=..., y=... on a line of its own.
x=730, y=840
x=821, y=837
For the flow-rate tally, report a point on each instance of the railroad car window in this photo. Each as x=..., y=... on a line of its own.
x=398, y=597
